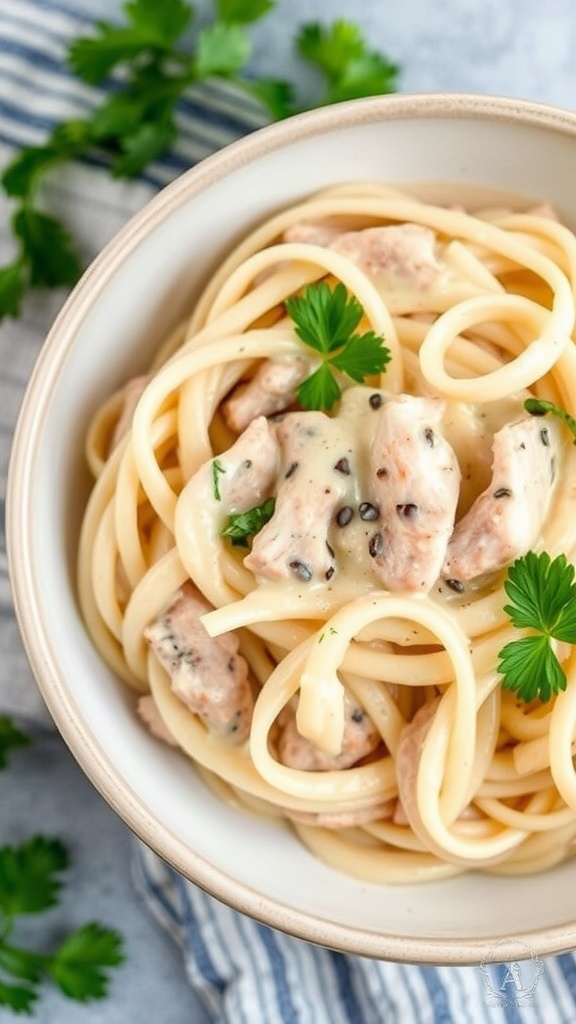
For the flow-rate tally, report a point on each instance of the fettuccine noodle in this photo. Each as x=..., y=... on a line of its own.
x=375, y=723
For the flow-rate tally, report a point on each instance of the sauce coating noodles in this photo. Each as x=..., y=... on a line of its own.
x=363, y=702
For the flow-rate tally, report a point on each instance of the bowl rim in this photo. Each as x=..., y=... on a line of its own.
x=41, y=655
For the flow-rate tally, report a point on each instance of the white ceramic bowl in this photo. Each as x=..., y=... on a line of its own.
x=140, y=286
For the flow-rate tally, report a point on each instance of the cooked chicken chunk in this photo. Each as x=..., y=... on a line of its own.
x=294, y=543
x=207, y=673
x=148, y=712
x=272, y=389
x=415, y=482
x=506, y=519
x=360, y=739
x=241, y=477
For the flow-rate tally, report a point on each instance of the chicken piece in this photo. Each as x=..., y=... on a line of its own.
x=241, y=477
x=415, y=481
x=343, y=819
x=405, y=252
x=310, y=233
x=207, y=673
x=401, y=254
x=131, y=396
x=318, y=474
x=505, y=520
x=272, y=389
x=360, y=739
x=148, y=712
x=408, y=757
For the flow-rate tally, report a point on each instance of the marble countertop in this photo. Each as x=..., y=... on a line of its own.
x=516, y=48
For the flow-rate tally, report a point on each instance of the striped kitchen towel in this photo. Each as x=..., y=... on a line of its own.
x=248, y=973
x=244, y=972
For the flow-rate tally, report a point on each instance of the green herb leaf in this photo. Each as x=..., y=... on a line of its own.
x=142, y=145
x=29, y=875
x=163, y=22
x=12, y=288
x=320, y=390
x=21, y=963
x=242, y=525
x=362, y=356
x=222, y=50
x=79, y=965
x=242, y=12
x=542, y=593
x=19, y=998
x=11, y=737
x=275, y=95
x=217, y=470
x=341, y=54
x=152, y=27
x=20, y=176
x=48, y=248
x=326, y=319
x=539, y=407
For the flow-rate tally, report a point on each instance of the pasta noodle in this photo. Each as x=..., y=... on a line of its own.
x=345, y=684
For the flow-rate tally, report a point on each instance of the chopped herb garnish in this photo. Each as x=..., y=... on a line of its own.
x=326, y=319
x=11, y=737
x=242, y=525
x=217, y=470
x=539, y=407
x=542, y=593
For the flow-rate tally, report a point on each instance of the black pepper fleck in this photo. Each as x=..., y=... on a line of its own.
x=381, y=472
x=368, y=511
x=545, y=437
x=376, y=545
x=357, y=715
x=301, y=570
x=503, y=492
x=408, y=510
x=455, y=585
x=429, y=436
x=343, y=466
x=344, y=515
x=375, y=401
x=291, y=470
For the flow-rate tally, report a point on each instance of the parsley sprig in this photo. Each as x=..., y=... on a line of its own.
x=151, y=61
x=30, y=883
x=243, y=525
x=326, y=319
x=540, y=407
x=542, y=595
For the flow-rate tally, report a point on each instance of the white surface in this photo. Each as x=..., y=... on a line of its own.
x=89, y=348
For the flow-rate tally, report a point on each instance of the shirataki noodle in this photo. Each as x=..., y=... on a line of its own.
x=459, y=773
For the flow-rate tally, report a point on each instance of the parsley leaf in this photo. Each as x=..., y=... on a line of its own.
x=78, y=966
x=349, y=68
x=12, y=288
x=242, y=12
x=326, y=319
x=48, y=247
x=151, y=27
x=11, y=737
x=29, y=873
x=136, y=121
x=217, y=470
x=539, y=407
x=242, y=525
x=542, y=593
x=221, y=50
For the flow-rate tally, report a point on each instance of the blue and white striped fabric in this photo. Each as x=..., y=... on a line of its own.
x=247, y=973
x=244, y=972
